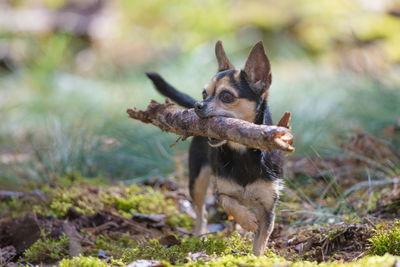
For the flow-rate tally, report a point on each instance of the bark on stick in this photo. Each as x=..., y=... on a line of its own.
x=185, y=122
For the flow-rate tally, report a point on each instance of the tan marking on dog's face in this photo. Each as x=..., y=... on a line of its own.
x=265, y=94
x=240, y=108
x=210, y=87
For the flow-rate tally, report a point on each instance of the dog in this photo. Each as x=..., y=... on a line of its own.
x=243, y=177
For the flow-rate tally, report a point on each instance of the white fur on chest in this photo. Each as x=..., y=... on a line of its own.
x=260, y=192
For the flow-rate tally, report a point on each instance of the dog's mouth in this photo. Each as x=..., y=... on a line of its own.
x=215, y=142
x=202, y=115
x=212, y=141
x=206, y=115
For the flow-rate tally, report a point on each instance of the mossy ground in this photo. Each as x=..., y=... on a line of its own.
x=386, y=239
x=99, y=209
x=47, y=249
x=386, y=260
x=86, y=196
x=323, y=219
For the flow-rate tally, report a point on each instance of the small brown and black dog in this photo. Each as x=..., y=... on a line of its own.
x=243, y=177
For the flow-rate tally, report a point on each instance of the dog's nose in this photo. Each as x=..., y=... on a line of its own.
x=199, y=106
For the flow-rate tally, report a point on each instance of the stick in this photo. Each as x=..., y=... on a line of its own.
x=187, y=123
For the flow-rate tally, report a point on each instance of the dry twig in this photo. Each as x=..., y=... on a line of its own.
x=186, y=123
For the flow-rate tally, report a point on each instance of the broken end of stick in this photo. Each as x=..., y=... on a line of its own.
x=285, y=141
x=148, y=115
x=290, y=149
x=287, y=138
x=284, y=121
x=138, y=115
x=283, y=145
x=131, y=111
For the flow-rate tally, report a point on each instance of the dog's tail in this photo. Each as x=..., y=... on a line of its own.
x=169, y=91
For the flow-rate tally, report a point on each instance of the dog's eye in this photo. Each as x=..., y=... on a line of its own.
x=204, y=94
x=226, y=97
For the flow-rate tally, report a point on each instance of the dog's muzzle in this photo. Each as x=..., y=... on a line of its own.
x=200, y=108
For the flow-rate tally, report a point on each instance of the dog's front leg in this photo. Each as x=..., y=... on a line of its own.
x=198, y=191
x=242, y=215
x=266, y=219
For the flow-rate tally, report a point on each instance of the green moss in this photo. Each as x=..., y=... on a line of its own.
x=83, y=194
x=115, y=245
x=82, y=261
x=84, y=199
x=386, y=240
x=125, y=200
x=232, y=251
x=150, y=201
x=11, y=207
x=250, y=260
x=47, y=249
x=215, y=245
x=180, y=220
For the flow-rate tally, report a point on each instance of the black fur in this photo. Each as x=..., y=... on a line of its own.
x=198, y=158
x=244, y=88
x=169, y=91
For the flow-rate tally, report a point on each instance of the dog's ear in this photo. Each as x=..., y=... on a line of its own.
x=258, y=69
x=223, y=61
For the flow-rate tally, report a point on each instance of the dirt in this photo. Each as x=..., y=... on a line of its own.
x=342, y=241
x=21, y=232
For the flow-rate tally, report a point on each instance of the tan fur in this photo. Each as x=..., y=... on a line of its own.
x=210, y=88
x=265, y=208
x=241, y=108
x=236, y=75
x=263, y=234
x=238, y=147
x=242, y=215
x=259, y=192
x=261, y=195
x=199, y=193
x=265, y=94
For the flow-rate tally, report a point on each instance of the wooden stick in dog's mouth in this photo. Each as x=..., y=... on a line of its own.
x=186, y=123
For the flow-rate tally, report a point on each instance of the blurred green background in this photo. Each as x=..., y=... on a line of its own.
x=69, y=70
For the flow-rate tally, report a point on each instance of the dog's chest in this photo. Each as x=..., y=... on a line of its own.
x=259, y=192
x=243, y=167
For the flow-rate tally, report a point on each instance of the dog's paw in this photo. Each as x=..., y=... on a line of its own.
x=249, y=223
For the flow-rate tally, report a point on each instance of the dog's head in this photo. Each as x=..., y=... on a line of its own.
x=236, y=93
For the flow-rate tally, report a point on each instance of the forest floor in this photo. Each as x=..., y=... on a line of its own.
x=333, y=211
